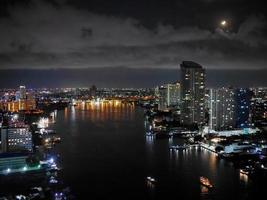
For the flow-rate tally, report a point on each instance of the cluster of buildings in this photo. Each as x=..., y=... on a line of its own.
x=15, y=101
x=15, y=136
x=168, y=95
x=229, y=108
x=218, y=109
x=15, y=144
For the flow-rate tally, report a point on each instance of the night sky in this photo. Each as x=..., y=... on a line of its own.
x=101, y=35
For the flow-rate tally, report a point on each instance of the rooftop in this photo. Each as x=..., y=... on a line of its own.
x=190, y=64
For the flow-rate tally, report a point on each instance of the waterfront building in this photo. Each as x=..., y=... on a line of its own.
x=21, y=101
x=258, y=107
x=221, y=105
x=242, y=108
x=229, y=109
x=16, y=138
x=9, y=162
x=192, y=93
x=15, y=106
x=258, y=112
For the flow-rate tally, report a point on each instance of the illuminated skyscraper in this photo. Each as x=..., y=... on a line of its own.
x=192, y=93
x=221, y=109
x=173, y=94
x=22, y=92
x=162, y=98
x=242, y=111
x=168, y=95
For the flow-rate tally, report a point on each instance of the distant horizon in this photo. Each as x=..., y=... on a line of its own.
x=124, y=77
x=130, y=67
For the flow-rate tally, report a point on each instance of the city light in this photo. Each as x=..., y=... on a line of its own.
x=8, y=170
x=156, y=99
x=43, y=123
x=15, y=117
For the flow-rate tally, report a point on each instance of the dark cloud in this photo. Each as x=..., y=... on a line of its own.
x=81, y=34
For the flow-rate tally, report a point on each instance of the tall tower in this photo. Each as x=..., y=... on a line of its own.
x=221, y=109
x=22, y=92
x=242, y=114
x=192, y=93
x=173, y=94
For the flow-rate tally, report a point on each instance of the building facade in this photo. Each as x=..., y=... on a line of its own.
x=192, y=93
x=173, y=94
x=22, y=92
x=168, y=95
x=221, y=109
x=16, y=139
x=162, y=97
x=242, y=111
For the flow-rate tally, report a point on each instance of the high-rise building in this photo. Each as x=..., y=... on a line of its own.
x=242, y=110
x=162, y=98
x=93, y=91
x=221, y=107
x=229, y=108
x=192, y=93
x=173, y=94
x=168, y=95
x=16, y=139
x=22, y=92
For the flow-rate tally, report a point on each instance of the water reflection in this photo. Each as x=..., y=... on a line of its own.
x=112, y=146
x=151, y=187
x=204, y=193
x=53, y=116
x=107, y=110
x=243, y=178
x=73, y=113
x=65, y=114
x=204, y=190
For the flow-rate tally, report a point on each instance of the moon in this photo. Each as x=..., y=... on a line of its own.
x=223, y=23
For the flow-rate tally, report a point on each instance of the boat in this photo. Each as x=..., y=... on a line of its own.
x=150, y=179
x=205, y=182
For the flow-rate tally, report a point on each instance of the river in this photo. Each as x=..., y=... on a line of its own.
x=105, y=154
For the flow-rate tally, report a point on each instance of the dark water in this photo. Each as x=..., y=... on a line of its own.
x=105, y=155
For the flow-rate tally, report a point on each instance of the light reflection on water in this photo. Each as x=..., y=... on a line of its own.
x=112, y=146
x=243, y=178
x=107, y=110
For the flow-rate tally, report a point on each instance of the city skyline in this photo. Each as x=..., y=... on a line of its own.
x=133, y=99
